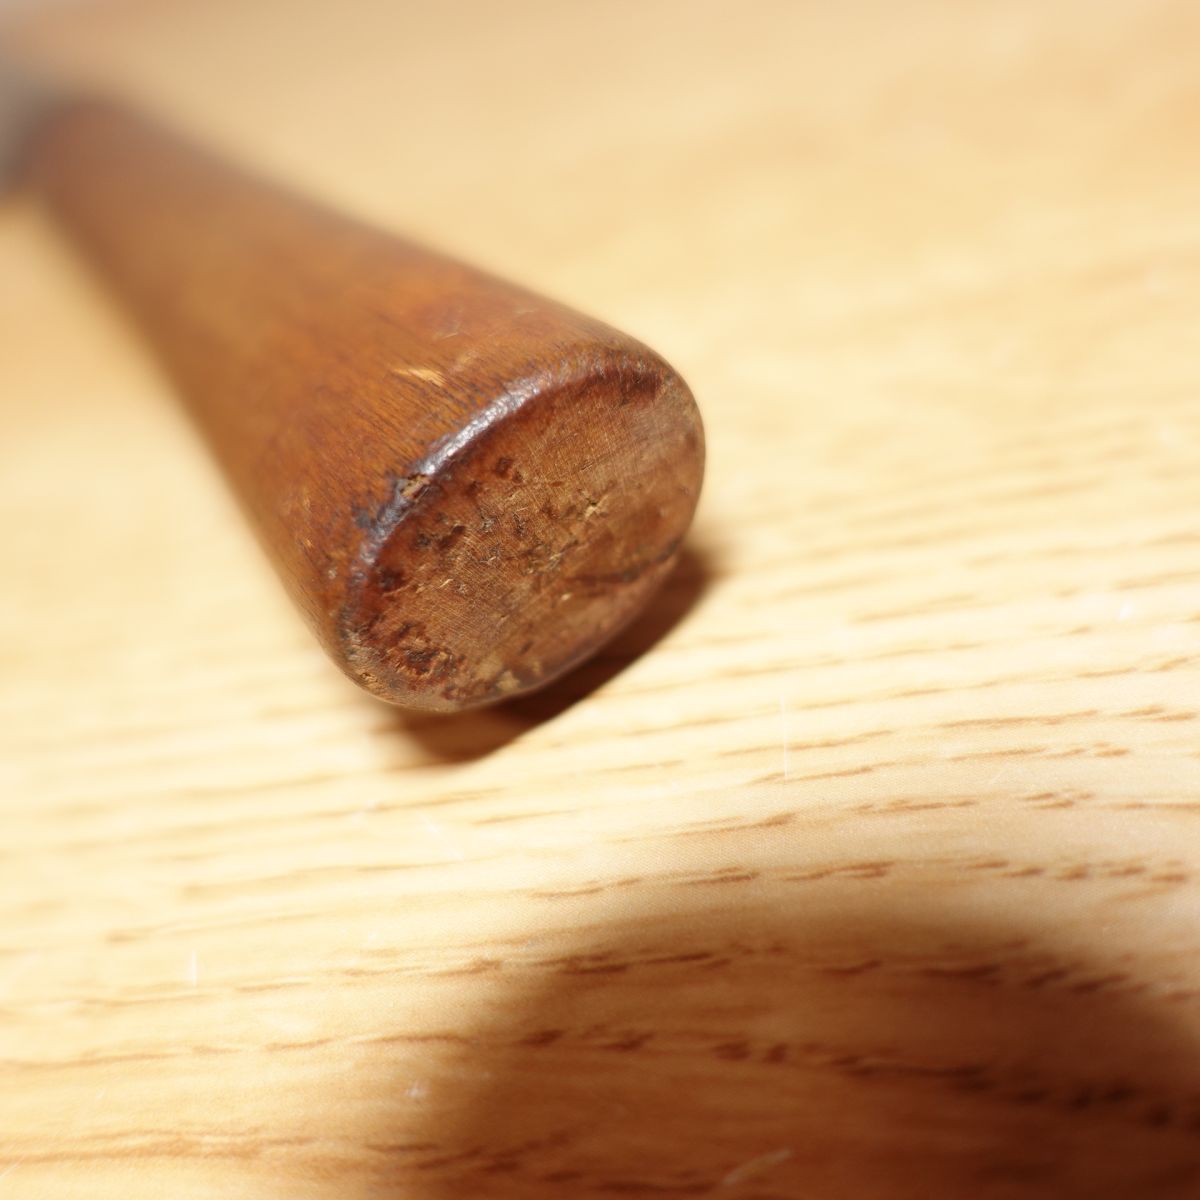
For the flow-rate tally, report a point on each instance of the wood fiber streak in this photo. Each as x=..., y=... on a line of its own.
x=866, y=864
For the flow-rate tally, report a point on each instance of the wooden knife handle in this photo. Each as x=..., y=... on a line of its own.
x=465, y=487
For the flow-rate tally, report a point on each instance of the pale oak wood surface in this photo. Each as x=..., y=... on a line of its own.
x=866, y=866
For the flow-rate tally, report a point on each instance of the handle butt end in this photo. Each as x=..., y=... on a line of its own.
x=516, y=553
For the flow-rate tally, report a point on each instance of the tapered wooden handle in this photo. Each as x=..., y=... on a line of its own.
x=465, y=487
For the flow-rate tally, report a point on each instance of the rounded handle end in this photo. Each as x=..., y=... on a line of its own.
x=525, y=543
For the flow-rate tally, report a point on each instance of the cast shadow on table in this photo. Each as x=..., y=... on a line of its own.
x=462, y=737
x=858, y=1046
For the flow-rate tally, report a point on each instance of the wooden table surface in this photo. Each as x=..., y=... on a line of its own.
x=868, y=863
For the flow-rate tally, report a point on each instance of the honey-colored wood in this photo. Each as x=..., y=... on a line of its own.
x=467, y=489
x=866, y=865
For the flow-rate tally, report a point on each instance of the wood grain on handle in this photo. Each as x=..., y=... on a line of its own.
x=466, y=488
